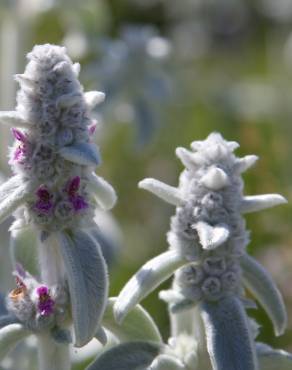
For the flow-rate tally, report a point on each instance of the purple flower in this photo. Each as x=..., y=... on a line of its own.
x=45, y=303
x=44, y=204
x=92, y=128
x=77, y=200
x=21, y=150
x=73, y=186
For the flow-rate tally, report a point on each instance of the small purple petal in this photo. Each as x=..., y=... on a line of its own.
x=92, y=128
x=78, y=202
x=18, y=135
x=43, y=206
x=41, y=290
x=43, y=193
x=45, y=304
x=73, y=186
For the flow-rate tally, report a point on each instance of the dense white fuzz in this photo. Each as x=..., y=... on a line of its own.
x=253, y=203
x=153, y=273
x=168, y=193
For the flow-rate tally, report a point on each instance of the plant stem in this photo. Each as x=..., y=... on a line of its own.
x=52, y=355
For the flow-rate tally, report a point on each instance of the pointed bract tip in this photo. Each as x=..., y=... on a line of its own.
x=186, y=157
x=254, y=203
x=215, y=179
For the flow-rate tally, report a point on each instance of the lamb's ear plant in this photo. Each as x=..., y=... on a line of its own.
x=55, y=190
x=212, y=269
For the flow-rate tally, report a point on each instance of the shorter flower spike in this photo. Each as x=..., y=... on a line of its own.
x=211, y=236
x=254, y=203
x=260, y=283
x=166, y=192
x=152, y=274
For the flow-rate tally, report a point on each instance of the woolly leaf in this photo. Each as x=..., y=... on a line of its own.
x=85, y=154
x=13, y=201
x=138, y=325
x=9, y=336
x=87, y=280
x=153, y=273
x=166, y=192
x=127, y=356
x=229, y=342
x=270, y=359
x=104, y=192
x=262, y=286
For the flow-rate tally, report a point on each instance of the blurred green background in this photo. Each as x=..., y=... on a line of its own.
x=222, y=65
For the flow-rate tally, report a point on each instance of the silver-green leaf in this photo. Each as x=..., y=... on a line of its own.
x=152, y=274
x=262, y=286
x=88, y=282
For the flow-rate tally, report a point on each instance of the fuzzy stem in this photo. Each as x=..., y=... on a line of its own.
x=52, y=355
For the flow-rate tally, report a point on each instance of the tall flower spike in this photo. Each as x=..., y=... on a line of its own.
x=53, y=160
x=208, y=240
